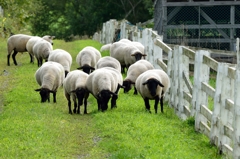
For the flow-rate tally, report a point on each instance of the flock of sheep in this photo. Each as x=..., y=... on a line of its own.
x=96, y=75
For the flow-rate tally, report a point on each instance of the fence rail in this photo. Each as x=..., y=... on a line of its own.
x=221, y=124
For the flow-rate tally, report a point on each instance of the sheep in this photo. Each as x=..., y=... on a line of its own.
x=50, y=77
x=133, y=72
x=108, y=61
x=62, y=57
x=33, y=40
x=103, y=84
x=87, y=59
x=41, y=50
x=17, y=43
x=75, y=86
x=125, y=52
x=152, y=85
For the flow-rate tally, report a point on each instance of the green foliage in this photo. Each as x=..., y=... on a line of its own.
x=30, y=129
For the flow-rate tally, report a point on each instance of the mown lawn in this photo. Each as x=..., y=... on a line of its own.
x=30, y=129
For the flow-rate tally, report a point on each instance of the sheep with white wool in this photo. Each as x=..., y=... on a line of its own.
x=125, y=52
x=17, y=43
x=63, y=57
x=50, y=77
x=152, y=85
x=108, y=61
x=103, y=84
x=133, y=72
x=75, y=86
x=33, y=40
x=41, y=51
x=87, y=59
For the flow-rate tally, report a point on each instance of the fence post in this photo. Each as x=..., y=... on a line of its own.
x=199, y=97
x=236, y=120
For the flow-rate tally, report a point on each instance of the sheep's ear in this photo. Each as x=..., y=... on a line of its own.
x=144, y=55
x=79, y=68
x=144, y=83
x=160, y=84
x=52, y=37
x=74, y=91
x=92, y=68
x=52, y=91
x=37, y=90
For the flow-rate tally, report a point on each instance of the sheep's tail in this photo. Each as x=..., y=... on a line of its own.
x=105, y=47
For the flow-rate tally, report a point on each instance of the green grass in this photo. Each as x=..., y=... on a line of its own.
x=30, y=129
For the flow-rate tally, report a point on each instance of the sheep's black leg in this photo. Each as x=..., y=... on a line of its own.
x=8, y=59
x=31, y=58
x=99, y=105
x=135, y=91
x=69, y=107
x=147, y=105
x=85, y=105
x=54, y=97
x=114, y=101
x=161, y=103
x=13, y=57
x=156, y=104
x=76, y=108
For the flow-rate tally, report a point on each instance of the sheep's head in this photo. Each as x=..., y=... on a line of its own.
x=127, y=85
x=104, y=97
x=152, y=85
x=44, y=93
x=138, y=55
x=87, y=69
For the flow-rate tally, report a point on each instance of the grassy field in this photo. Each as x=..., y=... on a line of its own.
x=30, y=129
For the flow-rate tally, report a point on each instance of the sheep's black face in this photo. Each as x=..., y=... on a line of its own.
x=127, y=86
x=80, y=93
x=138, y=56
x=104, y=97
x=45, y=94
x=152, y=85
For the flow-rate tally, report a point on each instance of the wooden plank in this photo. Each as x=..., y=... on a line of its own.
x=227, y=149
x=162, y=65
x=229, y=105
x=228, y=131
x=204, y=129
x=205, y=26
x=210, y=62
x=188, y=83
x=189, y=53
x=187, y=97
x=206, y=112
x=232, y=72
x=187, y=111
x=208, y=89
x=162, y=45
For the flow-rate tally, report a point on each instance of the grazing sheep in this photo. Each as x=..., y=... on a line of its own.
x=17, y=43
x=125, y=52
x=62, y=57
x=50, y=77
x=41, y=50
x=152, y=85
x=133, y=72
x=75, y=86
x=33, y=40
x=108, y=61
x=87, y=59
x=103, y=84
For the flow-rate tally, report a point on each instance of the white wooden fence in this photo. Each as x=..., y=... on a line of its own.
x=222, y=123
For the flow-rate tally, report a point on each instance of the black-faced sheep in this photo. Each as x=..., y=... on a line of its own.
x=17, y=43
x=133, y=72
x=50, y=77
x=33, y=40
x=41, y=51
x=75, y=86
x=108, y=61
x=103, y=84
x=62, y=57
x=87, y=59
x=152, y=85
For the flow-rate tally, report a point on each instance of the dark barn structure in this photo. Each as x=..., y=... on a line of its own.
x=213, y=24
